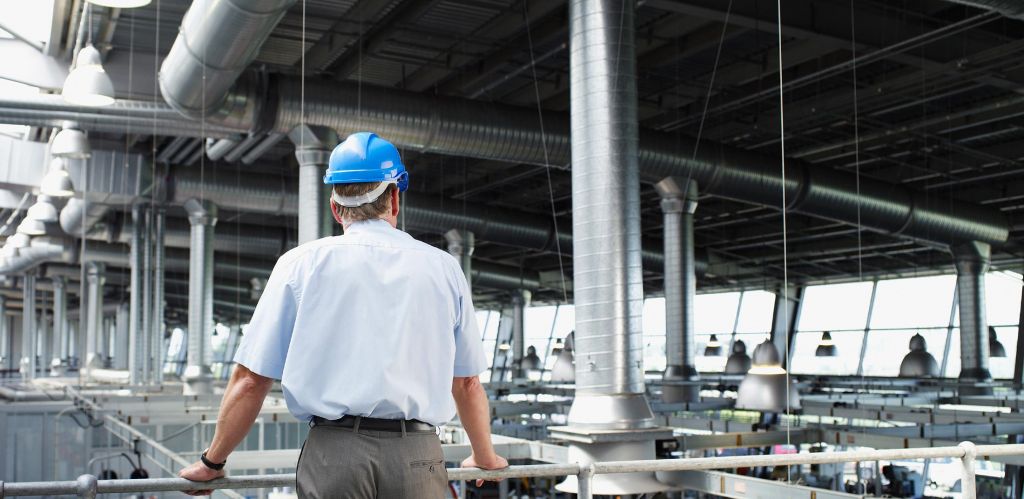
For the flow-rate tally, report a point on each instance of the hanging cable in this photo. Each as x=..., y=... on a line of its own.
x=785, y=248
x=547, y=162
x=856, y=143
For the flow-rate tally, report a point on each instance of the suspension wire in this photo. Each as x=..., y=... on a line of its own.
x=856, y=144
x=547, y=162
x=785, y=242
x=302, y=79
x=711, y=86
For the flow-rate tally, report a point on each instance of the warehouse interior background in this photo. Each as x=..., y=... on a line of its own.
x=692, y=228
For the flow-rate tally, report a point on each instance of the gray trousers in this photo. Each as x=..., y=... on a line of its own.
x=342, y=463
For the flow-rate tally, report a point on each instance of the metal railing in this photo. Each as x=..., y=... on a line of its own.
x=88, y=486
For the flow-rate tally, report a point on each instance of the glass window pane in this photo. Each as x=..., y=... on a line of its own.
x=916, y=302
x=488, y=322
x=715, y=313
x=565, y=323
x=953, y=364
x=654, y=353
x=848, y=344
x=756, y=312
x=886, y=349
x=1002, y=295
x=835, y=306
x=537, y=327
x=654, y=316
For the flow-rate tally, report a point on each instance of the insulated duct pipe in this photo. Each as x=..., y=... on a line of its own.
x=217, y=40
x=203, y=217
x=607, y=271
x=78, y=216
x=313, y=147
x=93, y=315
x=156, y=341
x=678, y=203
x=461, y=244
x=147, y=295
x=29, y=332
x=5, y=335
x=137, y=348
x=972, y=262
x=1013, y=9
x=60, y=329
x=520, y=300
x=41, y=249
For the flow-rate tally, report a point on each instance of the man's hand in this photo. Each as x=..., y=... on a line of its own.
x=199, y=472
x=494, y=462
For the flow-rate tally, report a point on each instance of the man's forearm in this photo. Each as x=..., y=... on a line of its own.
x=239, y=408
x=475, y=414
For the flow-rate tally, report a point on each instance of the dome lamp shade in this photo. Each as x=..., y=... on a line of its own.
x=713, y=347
x=71, y=143
x=88, y=84
x=43, y=210
x=766, y=386
x=57, y=182
x=739, y=361
x=995, y=348
x=918, y=363
x=826, y=347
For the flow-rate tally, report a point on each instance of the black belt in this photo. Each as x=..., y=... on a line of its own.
x=375, y=424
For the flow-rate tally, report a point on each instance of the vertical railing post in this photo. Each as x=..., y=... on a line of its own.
x=968, y=486
x=584, y=481
x=86, y=486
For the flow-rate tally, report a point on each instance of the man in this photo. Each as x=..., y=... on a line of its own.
x=374, y=338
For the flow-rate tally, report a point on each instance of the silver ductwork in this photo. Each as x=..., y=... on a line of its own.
x=94, y=315
x=313, y=147
x=29, y=332
x=520, y=300
x=203, y=217
x=78, y=216
x=972, y=262
x=461, y=244
x=607, y=271
x=156, y=341
x=137, y=339
x=678, y=204
x=60, y=327
x=1010, y=8
x=41, y=250
x=218, y=39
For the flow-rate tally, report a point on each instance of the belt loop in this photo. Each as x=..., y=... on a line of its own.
x=355, y=427
x=403, y=428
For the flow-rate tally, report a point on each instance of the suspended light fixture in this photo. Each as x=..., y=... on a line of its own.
x=995, y=348
x=43, y=209
x=557, y=348
x=918, y=363
x=531, y=364
x=121, y=4
x=57, y=182
x=739, y=361
x=88, y=84
x=766, y=387
x=713, y=347
x=826, y=348
x=70, y=143
x=19, y=241
x=564, y=370
x=31, y=227
x=504, y=346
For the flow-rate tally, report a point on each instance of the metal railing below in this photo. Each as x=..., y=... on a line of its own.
x=88, y=486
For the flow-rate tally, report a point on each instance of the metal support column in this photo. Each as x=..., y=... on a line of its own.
x=93, y=314
x=972, y=261
x=60, y=330
x=678, y=204
x=520, y=300
x=313, y=147
x=202, y=215
x=156, y=339
x=5, y=335
x=122, y=318
x=1018, y=360
x=461, y=244
x=28, y=327
x=146, y=332
x=136, y=334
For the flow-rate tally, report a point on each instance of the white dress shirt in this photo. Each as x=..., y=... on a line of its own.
x=372, y=323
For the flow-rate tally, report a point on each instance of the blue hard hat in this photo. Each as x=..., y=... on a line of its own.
x=365, y=157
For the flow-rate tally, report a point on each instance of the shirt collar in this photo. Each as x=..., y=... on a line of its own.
x=364, y=226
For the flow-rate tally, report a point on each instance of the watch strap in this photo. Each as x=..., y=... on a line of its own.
x=210, y=464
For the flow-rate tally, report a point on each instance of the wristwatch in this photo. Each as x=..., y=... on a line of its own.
x=210, y=464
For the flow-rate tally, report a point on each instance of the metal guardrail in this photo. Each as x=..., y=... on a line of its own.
x=88, y=486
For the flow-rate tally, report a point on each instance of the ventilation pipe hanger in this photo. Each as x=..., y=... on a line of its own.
x=972, y=262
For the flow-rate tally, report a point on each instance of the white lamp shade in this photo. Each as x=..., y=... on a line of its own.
x=121, y=4
x=19, y=241
x=30, y=227
x=43, y=210
x=71, y=143
x=88, y=84
x=57, y=182
x=9, y=251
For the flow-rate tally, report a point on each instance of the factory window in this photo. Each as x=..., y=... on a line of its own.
x=835, y=307
x=543, y=325
x=756, y=309
x=915, y=302
x=886, y=349
x=487, y=321
x=848, y=345
x=654, y=334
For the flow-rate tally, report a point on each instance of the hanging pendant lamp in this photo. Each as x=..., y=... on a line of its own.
x=88, y=84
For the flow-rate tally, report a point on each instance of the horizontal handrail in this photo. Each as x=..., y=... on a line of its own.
x=88, y=486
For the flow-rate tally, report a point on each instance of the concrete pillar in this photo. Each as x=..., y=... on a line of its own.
x=461, y=244
x=93, y=315
x=313, y=147
x=972, y=262
x=520, y=300
x=202, y=215
x=29, y=335
x=60, y=330
x=678, y=204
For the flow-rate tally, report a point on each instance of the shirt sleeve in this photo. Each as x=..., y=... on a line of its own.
x=469, y=352
x=264, y=346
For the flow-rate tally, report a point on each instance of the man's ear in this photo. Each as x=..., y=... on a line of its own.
x=336, y=211
x=395, y=198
